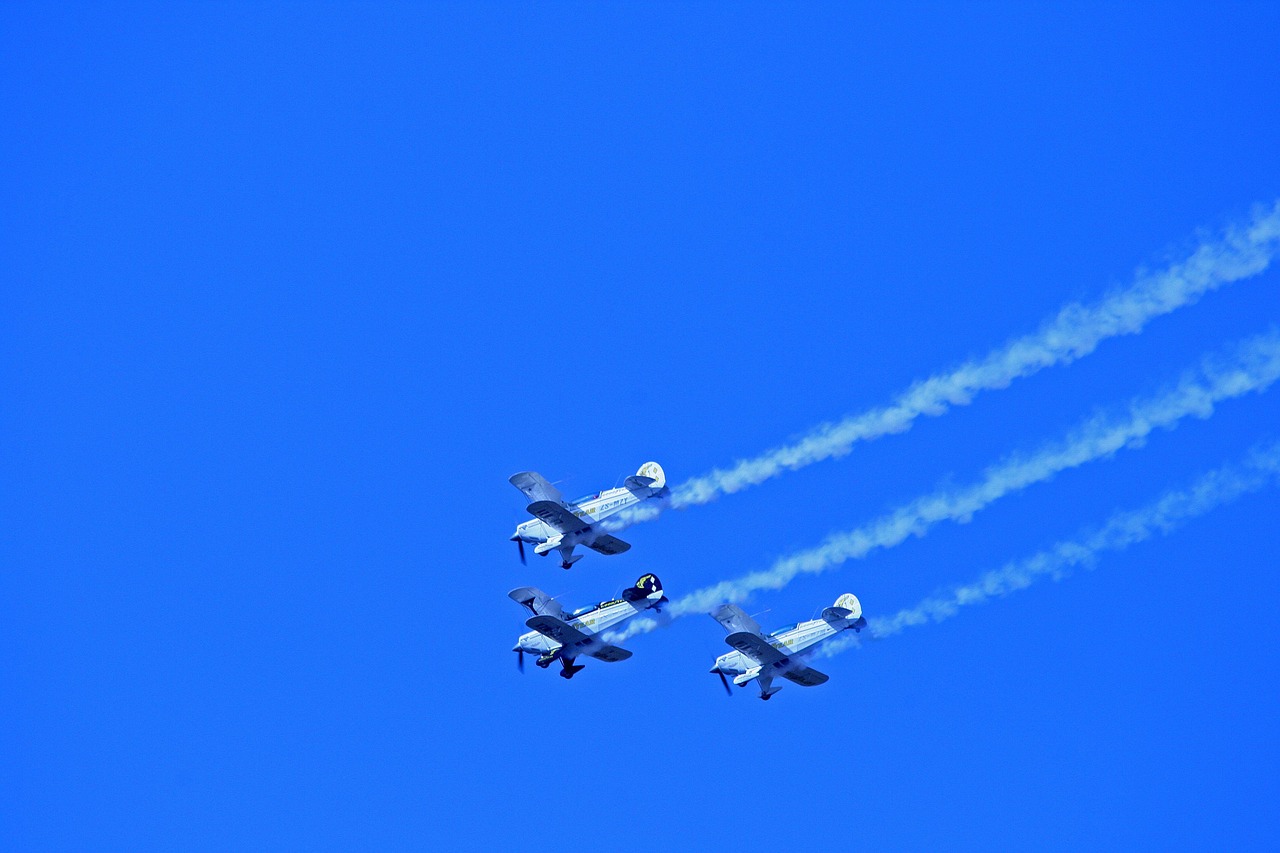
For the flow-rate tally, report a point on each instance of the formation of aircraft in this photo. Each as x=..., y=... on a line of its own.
x=557, y=635
x=560, y=525
x=561, y=636
x=762, y=657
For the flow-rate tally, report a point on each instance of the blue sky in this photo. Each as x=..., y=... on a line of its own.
x=291, y=290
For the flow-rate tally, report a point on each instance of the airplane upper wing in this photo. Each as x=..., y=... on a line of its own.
x=732, y=617
x=562, y=632
x=535, y=487
x=754, y=646
x=606, y=544
x=538, y=602
x=610, y=654
x=558, y=516
x=805, y=676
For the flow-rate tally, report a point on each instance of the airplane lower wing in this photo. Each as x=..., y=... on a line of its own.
x=606, y=544
x=806, y=676
x=610, y=654
x=558, y=516
x=755, y=647
x=562, y=632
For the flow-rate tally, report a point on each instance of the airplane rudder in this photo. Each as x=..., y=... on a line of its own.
x=850, y=602
x=654, y=471
x=646, y=586
x=649, y=583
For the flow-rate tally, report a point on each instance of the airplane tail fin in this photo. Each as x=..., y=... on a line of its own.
x=650, y=477
x=850, y=602
x=647, y=587
x=654, y=471
x=847, y=607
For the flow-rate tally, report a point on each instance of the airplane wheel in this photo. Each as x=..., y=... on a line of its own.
x=766, y=697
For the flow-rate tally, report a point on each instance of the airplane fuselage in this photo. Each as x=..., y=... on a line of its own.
x=591, y=621
x=793, y=642
x=590, y=509
x=560, y=525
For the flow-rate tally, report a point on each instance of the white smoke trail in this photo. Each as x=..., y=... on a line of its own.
x=1261, y=468
x=1242, y=252
x=1252, y=365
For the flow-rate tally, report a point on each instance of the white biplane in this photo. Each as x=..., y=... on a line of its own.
x=761, y=657
x=561, y=636
x=559, y=525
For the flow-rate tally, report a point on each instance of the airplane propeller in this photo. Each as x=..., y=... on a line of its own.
x=723, y=681
x=520, y=659
x=520, y=545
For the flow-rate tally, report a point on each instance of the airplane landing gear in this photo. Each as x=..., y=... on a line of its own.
x=569, y=669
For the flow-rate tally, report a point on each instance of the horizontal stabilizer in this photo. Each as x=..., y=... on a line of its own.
x=643, y=485
x=610, y=654
x=835, y=614
x=805, y=676
x=606, y=544
x=536, y=487
x=537, y=601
